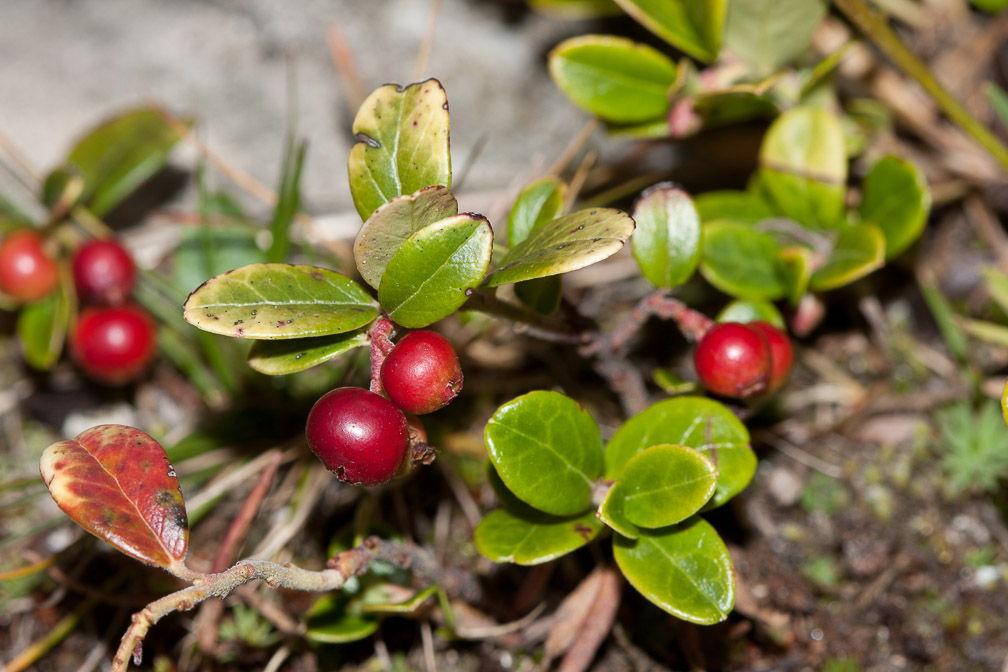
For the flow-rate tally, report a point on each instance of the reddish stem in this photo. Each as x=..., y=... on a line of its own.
x=380, y=334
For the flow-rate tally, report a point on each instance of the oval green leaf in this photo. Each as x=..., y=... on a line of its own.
x=565, y=244
x=794, y=265
x=739, y=206
x=538, y=203
x=666, y=484
x=430, y=276
x=897, y=200
x=290, y=355
x=117, y=483
x=702, y=424
x=859, y=250
x=694, y=26
x=741, y=310
x=804, y=167
x=393, y=222
x=548, y=451
x=402, y=144
x=666, y=241
x=741, y=261
x=333, y=620
x=270, y=301
x=614, y=78
x=531, y=537
x=42, y=327
x=611, y=511
x=768, y=33
x=685, y=570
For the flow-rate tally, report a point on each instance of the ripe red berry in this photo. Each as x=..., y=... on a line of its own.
x=781, y=354
x=422, y=373
x=103, y=272
x=27, y=273
x=113, y=344
x=733, y=360
x=359, y=435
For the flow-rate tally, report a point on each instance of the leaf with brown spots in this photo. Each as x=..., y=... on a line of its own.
x=116, y=483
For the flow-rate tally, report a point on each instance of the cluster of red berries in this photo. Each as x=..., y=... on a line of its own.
x=742, y=360
x=364, y=437
x=113, y=339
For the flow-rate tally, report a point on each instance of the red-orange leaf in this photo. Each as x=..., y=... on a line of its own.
x=116, y=483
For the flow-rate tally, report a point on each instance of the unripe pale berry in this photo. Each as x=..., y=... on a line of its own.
x=113, y=344
x=27, y=273
x=733, y=360
x=781, y=354
x=103, y=272
x=359, y=435
x=422, y=373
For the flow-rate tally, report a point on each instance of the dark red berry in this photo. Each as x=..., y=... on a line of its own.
x=781, y=354
x=103, y=272
x=113, y=344
x=422, y=373
x=733, y=360
x=27, y=273
x=359, y=435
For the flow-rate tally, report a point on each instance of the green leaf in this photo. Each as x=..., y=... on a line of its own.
x=666, y=241
x=530, y=537
x=859, y=250
x=377, y=599
x=804, y=167
x=693, y=26
x=433, y=271
x=794, y=266
x=666, y=484
x=117, y=157
x=333, y=620
x=548, y=451
x=896, y=199
x=575, y=9
x=42, y=327
x=741, y=261
x=685, y=570
x=741, y=310
x=290, y=355
x=740, y=206
x=612, y=514
x=614, y=78
x=268, y=301
x=766, y=34
x=393, y=222
x=702, y=424
x=565, y=244
x=402, y=144
x=537, y=204
x=541, y=294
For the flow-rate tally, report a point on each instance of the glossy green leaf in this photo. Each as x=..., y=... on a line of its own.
x=332, y=620
x=290, y=355
x=537, y=204
x=794, y=266
x=804, y=167
x=666, y=241
x=693, y=26
x=402, y=144
x=118, y=156
x=769, y=33
x=268, y=301
x=430, y=275
x=896, y=199
x=393, y=222
x=548, y=451
x=565, y=244
x=859, y=250
x=531, y=537
x=740, y=206
x=206, y=251
x=614, y=78
x=666, y=484
x=741, y=310
x=542, y=295
x=741, y=261
x=700, y=423
x=685, y=570
x=42, y=327
x=612, y=514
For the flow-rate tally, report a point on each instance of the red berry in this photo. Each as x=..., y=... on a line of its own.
x=733, y=360
x=27, y=273
x=422, y=373
x=781, y=354
x=359, y=435
x=113, y=345
x=103, y=272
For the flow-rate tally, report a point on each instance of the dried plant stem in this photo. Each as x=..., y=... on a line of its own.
x=381, y=345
